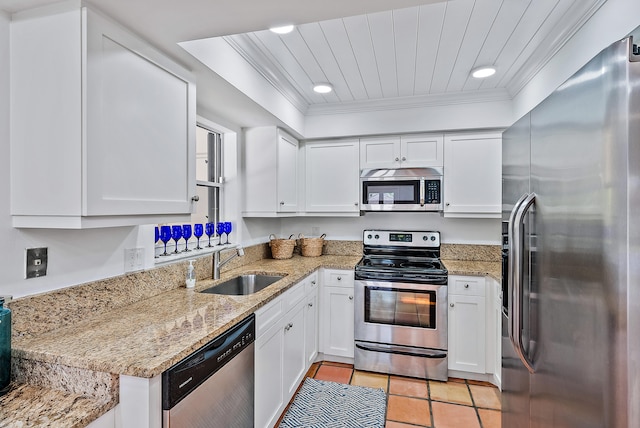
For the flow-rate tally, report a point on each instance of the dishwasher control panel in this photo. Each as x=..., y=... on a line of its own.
x=185, y=376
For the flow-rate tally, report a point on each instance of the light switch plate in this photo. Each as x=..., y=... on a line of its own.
x=36, y=261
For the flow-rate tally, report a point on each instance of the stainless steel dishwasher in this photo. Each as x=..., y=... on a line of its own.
x=213, y=387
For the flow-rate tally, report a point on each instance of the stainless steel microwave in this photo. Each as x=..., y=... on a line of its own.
x=401, y=189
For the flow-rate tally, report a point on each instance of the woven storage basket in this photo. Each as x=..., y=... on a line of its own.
x=311, y=247
x=281, y=248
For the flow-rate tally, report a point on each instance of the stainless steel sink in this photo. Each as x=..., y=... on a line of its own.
x=243, y=285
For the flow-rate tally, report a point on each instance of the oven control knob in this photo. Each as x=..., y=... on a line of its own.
x=425, y=238
x=433, y=238
x=377, y=236
x=369, y=236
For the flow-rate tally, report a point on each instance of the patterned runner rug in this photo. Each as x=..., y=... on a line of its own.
x=335, y=405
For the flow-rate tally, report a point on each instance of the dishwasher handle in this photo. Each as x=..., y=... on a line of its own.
x=185, y=376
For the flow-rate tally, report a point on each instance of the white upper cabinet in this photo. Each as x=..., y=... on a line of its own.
x=407, y=151
x=271, y=173
x=473, y=175
x=331, y=177
x=102, y=125
x=421, y=151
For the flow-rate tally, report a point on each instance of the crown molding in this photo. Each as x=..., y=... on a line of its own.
x=413, y=102
x=247, y=49
x=577, y=15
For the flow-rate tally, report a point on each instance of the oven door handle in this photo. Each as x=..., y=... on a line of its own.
x=422, y=192
x=402, y=351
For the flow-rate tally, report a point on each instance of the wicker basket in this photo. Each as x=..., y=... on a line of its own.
x=281, y=248
x=311, y=247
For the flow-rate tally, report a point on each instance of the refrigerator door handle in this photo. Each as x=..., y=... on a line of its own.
x=511, y=279
x=516, y=275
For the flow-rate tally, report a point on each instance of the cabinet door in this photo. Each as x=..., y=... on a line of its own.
x=421, y=151
x=496, y=311
x=467, y=333
x=311, y=328
x=332, y=176
x=473, y=175
x=294, y=361
x=269, y=376
x=139, y=151
x=382, y=152
x=337, y=321
x=287, y=173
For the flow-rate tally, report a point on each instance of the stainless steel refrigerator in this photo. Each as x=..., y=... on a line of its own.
x=571, y=207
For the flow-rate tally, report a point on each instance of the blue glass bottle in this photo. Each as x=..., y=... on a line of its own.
x=5, y=347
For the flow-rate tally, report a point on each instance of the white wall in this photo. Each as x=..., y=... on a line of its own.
x=74, y=256
x=453, y=230
x=613, y=21
x=440, y=116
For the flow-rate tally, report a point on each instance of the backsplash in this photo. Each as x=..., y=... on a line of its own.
x=485, y=253
x=36, y=314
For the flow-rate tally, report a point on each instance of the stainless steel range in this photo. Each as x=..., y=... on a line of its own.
x=401, y=305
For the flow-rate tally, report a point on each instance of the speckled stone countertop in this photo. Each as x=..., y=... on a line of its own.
x=142, y=324
x=140, y=339
x=474, y=267
x=147, y=337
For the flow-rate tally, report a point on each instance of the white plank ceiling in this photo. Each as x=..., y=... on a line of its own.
x=408, y=54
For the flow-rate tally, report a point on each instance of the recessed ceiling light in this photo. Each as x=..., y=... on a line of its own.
x=285, y=29
x=482, y=72
x=323, y=88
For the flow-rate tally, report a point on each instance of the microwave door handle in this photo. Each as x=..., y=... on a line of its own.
x=518, y=289
x=422, y=192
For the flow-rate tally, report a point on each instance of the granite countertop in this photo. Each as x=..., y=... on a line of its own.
x=474, y=267
x=147, y=337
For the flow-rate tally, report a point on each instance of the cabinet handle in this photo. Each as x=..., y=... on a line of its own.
x=451, y=304
x=281, y=202
x=310, y=305
x=397, y=159
x=339, y=278
x=350, y=297
x=356, y=204
x=404, y=158
x=288, y=327
x=466, y=286
x=447, y=204
x=195, y=198
x=313, y=283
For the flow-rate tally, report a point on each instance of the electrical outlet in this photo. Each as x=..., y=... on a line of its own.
x=133, y=259
x=36, y=260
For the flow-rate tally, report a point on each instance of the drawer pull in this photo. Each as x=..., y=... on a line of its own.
x=310, y=305
x=451, y=304
x=350, y=297
x=339, y=278
x=466, y=286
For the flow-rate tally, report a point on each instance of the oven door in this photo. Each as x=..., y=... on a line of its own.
x=399, y=313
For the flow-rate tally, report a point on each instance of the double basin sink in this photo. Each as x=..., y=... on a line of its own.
x=243, y=285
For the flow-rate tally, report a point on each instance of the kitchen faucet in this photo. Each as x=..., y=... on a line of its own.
x=217, y=264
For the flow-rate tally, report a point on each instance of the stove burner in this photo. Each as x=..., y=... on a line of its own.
x=420, y=265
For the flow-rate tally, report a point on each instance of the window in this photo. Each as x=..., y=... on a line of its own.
x=209, y=175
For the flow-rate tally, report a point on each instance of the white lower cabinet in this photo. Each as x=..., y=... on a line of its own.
x=269, y=376
x=467, y=327
x=295, y=364
x=311, y=319
x=475, y=323
x=286, y=338
x=337, y=313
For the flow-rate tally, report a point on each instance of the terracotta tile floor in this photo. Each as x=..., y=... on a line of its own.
x=413, y=403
